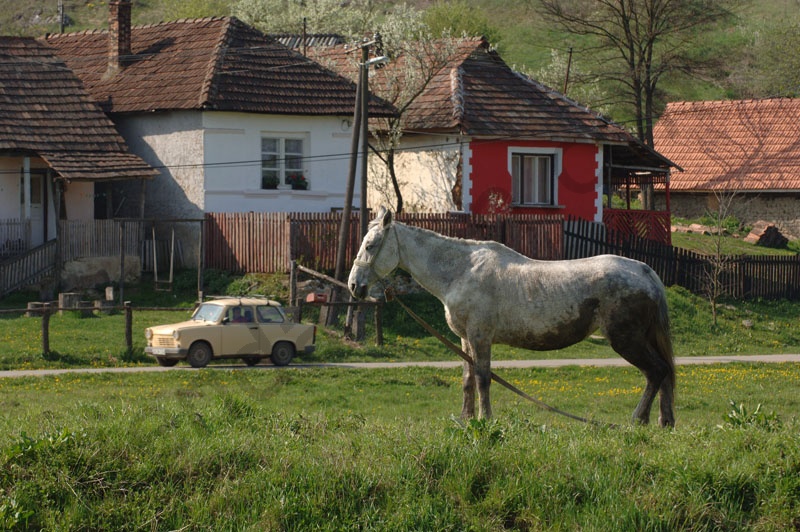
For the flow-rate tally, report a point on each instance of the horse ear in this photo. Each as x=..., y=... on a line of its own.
x=387, y=216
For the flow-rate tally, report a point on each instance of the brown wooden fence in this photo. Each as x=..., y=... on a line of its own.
x=99, y=238
x=268, y=242
x=741, y=276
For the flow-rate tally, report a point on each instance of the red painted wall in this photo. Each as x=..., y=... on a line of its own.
x=577, y=192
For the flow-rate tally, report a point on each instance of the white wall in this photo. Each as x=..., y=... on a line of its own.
x=232, y=143
x=426, y=175
x=9, y=186
x=79, y=200
x=173, y=144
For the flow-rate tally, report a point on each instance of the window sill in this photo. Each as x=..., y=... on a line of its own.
x=535, y=206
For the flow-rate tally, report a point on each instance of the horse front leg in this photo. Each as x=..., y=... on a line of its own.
x=481, y=353
x=468, y=384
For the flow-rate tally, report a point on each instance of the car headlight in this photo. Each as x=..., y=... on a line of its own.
x=148, y=333
x=176, y=334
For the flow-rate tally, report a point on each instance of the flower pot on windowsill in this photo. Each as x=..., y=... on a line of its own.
x=297, y=182
x=269, y=183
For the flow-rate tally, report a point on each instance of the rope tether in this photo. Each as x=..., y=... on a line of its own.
x=390, y=295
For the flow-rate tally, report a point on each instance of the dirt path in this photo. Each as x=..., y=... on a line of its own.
x=555, y=363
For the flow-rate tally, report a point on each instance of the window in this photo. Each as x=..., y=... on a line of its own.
x=533, y=178
x=268, y=314
x=281, y=159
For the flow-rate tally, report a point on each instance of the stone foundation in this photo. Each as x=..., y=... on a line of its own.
x=82, y=274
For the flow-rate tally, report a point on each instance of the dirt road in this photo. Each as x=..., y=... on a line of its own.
x=607, y=362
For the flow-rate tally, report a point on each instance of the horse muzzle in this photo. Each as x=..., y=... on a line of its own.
x=359, y=291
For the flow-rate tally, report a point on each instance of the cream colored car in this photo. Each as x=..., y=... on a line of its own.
x=246, y=328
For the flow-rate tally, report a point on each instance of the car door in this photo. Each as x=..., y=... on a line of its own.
x=272, y=326
x=240, y=333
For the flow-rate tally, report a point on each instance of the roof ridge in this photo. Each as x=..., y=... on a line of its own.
x=209, y=87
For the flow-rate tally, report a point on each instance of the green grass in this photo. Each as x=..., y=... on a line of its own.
x=707, y=245
x=744, y=327
x=340, y=449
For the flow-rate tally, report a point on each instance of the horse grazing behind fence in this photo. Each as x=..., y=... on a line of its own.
x=494, y=295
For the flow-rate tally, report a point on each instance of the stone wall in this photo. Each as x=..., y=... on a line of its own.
x=781, y=209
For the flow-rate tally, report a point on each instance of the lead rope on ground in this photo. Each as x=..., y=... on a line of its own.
x=391, y=296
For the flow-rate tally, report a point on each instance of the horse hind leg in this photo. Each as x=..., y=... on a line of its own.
x=658, y=373
x=468, y=384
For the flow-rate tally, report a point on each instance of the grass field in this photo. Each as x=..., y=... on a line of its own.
x=342, y=449
x=751, y=327
x=338, y=449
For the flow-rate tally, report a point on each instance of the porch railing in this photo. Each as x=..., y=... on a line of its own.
x=14, y=237
x=650, y=225
x=31, y=267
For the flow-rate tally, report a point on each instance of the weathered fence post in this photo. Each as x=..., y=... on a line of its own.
x=128, y=328
x=46, y=329
x=379, y=324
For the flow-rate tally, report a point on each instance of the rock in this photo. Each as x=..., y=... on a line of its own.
x=766, y=234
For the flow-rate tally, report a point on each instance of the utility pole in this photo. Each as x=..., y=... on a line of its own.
x=360, y=132
x=344, y=226
x=569, y=66
x=61, y=16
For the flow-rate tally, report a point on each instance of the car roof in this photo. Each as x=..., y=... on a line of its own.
x=242, y=301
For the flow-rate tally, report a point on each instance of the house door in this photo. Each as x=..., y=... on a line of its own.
x=36, y=216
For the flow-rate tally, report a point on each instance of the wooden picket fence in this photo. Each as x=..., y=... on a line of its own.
x=268, y=242
x=741, y=276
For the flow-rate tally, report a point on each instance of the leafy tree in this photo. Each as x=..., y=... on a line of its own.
x=351, y=19
x=638, y=43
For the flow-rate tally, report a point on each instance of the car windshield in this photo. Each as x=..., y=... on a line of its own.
x=208, y=312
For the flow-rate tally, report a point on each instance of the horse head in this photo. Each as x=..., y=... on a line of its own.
x=377, y=257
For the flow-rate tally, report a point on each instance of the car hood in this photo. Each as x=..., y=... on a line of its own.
x=184, y=325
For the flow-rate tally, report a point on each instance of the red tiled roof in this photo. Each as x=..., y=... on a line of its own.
x=213, y=63
x=44, y=110
x=743, y=145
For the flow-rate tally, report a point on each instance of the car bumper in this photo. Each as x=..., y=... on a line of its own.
x=166, y=352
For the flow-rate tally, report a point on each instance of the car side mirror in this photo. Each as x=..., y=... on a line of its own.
x=226, y=319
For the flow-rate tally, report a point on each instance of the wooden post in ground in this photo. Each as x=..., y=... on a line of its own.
x=128, y=328
x=46, y=329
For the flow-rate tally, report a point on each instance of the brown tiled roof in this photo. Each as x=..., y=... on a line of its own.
x=45, y=111
x=213, y=63
x=478, y=94
x=738, y=145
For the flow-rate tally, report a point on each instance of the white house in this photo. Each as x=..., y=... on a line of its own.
x=228, y=116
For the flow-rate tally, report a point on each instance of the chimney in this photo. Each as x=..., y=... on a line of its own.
x=119, y=35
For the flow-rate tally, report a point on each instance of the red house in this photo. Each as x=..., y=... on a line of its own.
x=482, y=138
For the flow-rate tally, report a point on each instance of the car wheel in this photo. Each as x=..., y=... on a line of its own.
x=199, y=355
x=166, y=362
x=282, y=353
x=251, y=361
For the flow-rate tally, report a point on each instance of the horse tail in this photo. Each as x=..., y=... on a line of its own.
x=660, y=334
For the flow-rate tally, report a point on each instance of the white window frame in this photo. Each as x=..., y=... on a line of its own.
x=555, y=156
x=283, y=158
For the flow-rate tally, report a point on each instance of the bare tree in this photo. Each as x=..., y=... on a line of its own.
x=719, y=262
x=637, y=42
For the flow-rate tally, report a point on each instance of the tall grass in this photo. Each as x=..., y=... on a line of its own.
x=350, y=449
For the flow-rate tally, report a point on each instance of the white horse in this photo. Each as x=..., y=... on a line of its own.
x=494, y=295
